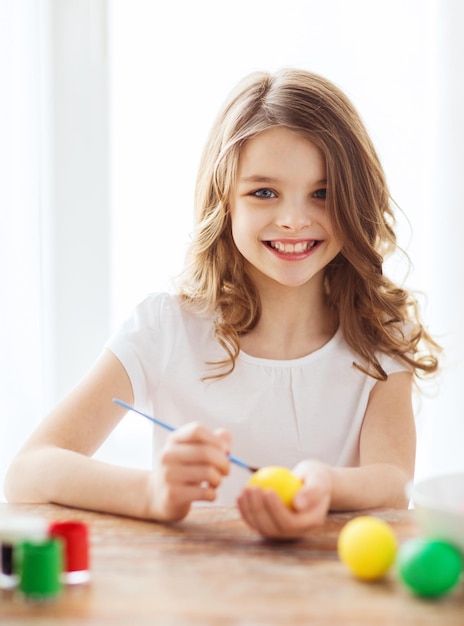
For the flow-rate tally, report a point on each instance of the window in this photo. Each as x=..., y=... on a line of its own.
x=108, y=105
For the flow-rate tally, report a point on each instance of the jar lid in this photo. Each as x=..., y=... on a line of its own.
x=16, y=528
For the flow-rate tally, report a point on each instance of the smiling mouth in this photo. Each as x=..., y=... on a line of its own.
x=292, y=248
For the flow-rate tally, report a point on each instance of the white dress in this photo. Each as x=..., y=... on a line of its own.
x=279, y=412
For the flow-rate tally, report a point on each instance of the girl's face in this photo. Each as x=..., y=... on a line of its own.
x=278, y=209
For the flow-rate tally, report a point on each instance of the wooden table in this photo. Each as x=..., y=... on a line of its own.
x=211, y=569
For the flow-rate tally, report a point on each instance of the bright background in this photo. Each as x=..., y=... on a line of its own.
x=104, y=110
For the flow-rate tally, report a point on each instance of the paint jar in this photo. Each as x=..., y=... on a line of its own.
x=75, y=537
x=13, y=530
x=39, y=565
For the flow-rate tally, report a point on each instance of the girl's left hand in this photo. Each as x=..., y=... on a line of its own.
x=264, y=511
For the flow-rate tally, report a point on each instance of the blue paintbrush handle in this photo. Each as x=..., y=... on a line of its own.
x=149, y=417
x=232, y=458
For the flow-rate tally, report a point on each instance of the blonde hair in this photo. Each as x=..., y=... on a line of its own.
x=374, y=314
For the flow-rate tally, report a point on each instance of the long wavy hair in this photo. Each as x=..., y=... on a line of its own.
x=374, y=314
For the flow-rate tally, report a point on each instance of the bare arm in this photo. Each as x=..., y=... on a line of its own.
x=387, y=457
x=387, y=451
x=54, y=465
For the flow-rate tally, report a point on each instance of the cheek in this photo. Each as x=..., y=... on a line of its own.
x=240, y=223
x=235, y=226
x=245, y=234
x=326, y=223
x=248, y=219
x=238, y=235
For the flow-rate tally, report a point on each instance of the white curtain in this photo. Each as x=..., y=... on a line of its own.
x=443, y=430
x=54, y=208
x=104, y=110
x=21, y=349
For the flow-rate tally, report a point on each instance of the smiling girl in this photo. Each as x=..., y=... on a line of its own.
x=285, y=342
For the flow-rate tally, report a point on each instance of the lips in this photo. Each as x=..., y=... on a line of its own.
x=285, y=247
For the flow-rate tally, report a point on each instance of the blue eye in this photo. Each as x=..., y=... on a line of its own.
x=320, y=194
x=264, y=194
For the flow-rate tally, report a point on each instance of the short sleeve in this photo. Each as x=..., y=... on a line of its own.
x=139, y=343
x=393, y=365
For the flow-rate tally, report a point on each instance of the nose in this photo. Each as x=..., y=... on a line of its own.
x=294, y=216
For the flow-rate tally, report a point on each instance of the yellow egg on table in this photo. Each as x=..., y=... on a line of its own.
x=367, y=546
x=279, y=479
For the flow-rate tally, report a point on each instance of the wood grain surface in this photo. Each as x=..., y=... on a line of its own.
x=211, y=569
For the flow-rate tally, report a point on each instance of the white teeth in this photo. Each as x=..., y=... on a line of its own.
x=291, y=248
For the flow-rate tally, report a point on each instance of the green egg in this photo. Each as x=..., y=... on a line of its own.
x=429, y=567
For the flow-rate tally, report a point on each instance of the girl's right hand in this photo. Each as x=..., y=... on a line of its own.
x=190, y=467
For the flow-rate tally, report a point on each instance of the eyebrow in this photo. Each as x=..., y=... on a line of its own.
x=258, y=178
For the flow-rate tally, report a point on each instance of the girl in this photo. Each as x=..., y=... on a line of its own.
x=284, y=343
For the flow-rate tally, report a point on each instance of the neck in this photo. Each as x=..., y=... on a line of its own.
x=294, y=322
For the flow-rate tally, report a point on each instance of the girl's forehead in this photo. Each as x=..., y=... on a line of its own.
x=278, y=135
x=279, y=146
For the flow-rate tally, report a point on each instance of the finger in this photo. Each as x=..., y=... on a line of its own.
x=266, y=513
x=175, y=453
x=295, y=523
x=316, y=492
x=189, y=474
x=257, y=508
x=276, y=517
x=226, y=439
x=314, y=474
x=180, y=497
x=192, y=493
x=247, y=509
x=194, y=432
x=307, y=498
x=172, y=500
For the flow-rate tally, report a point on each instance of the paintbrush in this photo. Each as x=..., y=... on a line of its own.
x=232, y=458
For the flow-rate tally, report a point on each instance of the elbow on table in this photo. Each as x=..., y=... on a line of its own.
x=400, y=499
x=17, y=487
x=401, y=502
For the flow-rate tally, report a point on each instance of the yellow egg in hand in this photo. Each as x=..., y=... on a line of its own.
x=279, y=479
x=367, y=546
